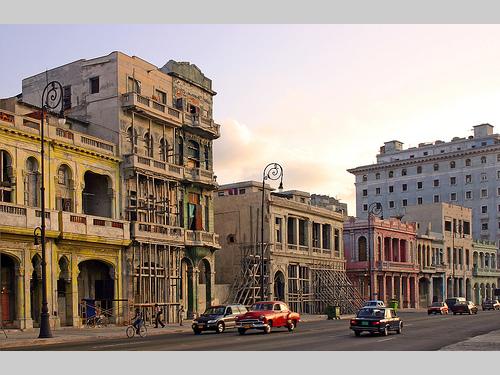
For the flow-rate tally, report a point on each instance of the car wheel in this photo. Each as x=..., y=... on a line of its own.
x=291, y=326
x=267, y=329
x=241, y=331
x=220, y=327
x=357, y=333
x=385, y=332
x=400, y=328
x=196, y=331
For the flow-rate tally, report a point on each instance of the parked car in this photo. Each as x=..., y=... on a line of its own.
x=466, y=307
x=374, y=303
x=438, y=308
x=490, y=304
x=267, y=315
x=218, y=318
x=451, y=301
x=376, y=320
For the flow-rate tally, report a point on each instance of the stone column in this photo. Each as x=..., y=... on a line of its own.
x=75, y=303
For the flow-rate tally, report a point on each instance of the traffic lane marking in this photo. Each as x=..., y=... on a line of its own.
x=387, y=339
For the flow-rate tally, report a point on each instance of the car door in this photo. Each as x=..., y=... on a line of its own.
x=229, y=317
x=278, y=315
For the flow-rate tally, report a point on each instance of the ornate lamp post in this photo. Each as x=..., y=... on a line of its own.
x=374, y=209
x=272, y=171
x=51, y=99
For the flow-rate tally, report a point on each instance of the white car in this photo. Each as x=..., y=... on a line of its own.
x=374, y=303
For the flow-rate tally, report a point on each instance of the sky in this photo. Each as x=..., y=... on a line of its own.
x=318, y=99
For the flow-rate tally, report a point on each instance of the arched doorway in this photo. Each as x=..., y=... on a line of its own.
x=64, y=300
x=36, y=289
x=186, y=286
x=32, y=183
x=96, y=196
x=362, y=249
x=8, y=292
x=279, y=286
x=96, y=284
x=204, y=281
x=423, y=292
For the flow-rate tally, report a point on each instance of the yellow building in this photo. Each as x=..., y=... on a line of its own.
x=85, y=236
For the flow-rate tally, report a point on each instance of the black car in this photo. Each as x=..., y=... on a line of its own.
x=376, y=320
x=218, y=318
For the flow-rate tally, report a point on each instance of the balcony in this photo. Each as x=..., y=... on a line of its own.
x=396, y=266
x=81, y=140
x=93, y=228
x=19, y=219
x=201, y=125
x=158, y=232
x=199, y=175
x=201, y=238
x=151, y=108
x=485, y=272
x=150, y=164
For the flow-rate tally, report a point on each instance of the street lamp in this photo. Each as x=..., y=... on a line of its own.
x=272, y=171
x=374, y=209
x=51, y=99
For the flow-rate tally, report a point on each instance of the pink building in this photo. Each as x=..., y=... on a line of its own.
x=383, y=254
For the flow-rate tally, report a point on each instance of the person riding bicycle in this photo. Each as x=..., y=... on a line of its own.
x=138, y=319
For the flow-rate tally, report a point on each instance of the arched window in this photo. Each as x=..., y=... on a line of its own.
x=391, y=174
x=193, y=154
x=362, y=249
x=6, y=177
x=436, y=167
x=31, y=183
x=467, y=163
x=452, y=164
x=403, y=172
x=419, y=169
x=130, y=137
x=148, y=144
x=63, y=175
x=163, y=150
x=365, y=178
x=483, y=159
x=64, y=192
x=377, y=176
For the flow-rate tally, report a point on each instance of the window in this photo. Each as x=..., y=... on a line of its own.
x=161, y=96
x=436, y=198
x=447, y=225
x=484, y=193
x=453, y=196
x=6, y=177
x=207, y=157
x=242, y=191
x=468, y=178
x=404, y=187
x=420, y=200
x=419, y=185
x=453, y=180
x=391, y=189
x=483, y=159
x=207, y=214
x=484, y=177
x=466, y=227
x=377, y=176
x=403, y=172
x=193, y=154
x=94, y=85
x=391, y=174
x=498, y=191
x=336, y=241
x=66, y=99
x=499, y=208
x=452, y=164
x=365, y=192
x=133, y=85
x=130, y=137
x=148, y=144
x=391, y=204
x=362, y=249
x=484, y=226
x=498, y=175
x=468, y=194
x=436, y=183
x=484, y=209
x=377, y=191
x=405, y=202
x=426, y=153
x=163, y=150
x=419, y=169
x=365, y=207
x=365, y=178
x=467, y=163
x=220, y=193
x=436, y=167
x=278, y=229
x=498, y=157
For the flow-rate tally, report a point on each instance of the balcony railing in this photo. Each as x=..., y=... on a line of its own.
x=161, y=167
x=17, y=216
x=492, y=272
x=151, y=107
x=402, y=266
x=199, y=175
x=203, y=123
x=201, y=238
x=82, y=140
x=88, y=225
x=158, y=232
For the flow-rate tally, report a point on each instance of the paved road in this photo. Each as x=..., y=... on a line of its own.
x=421, y=332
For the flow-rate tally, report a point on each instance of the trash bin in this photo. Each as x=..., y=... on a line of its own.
x=394, y=304
x=333, y=312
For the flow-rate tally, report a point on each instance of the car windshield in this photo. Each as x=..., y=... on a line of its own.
x=371, y=313
x=437, y=304
x=261, y=306
x=215, y=310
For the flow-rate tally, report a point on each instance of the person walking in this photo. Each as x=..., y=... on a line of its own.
x=158, y=312
x=181, y=314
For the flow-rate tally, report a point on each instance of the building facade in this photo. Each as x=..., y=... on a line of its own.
x=162, y=122
x=485, y=271
x=86, y=239
x=303, y=259
x=464, y=171
x=381, y=254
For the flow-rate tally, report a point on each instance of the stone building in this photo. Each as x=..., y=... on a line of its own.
x=464, y=171
x=382, y=253
x=303, y=259
x=445, y=249
x=162, y=122
x=485, y=271
x=85, y=236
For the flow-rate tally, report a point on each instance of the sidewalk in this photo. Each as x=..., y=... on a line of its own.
x=489, y=341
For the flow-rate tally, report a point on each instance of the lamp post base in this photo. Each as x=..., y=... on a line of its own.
x=45, y=332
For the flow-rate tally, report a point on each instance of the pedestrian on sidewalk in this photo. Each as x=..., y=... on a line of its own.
x=181, y=314
x=158, y=312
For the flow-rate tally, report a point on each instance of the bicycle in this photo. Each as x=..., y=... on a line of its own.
x=131, y=330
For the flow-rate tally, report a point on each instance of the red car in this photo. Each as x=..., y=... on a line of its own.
x=438, y=308
x=267, y=315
